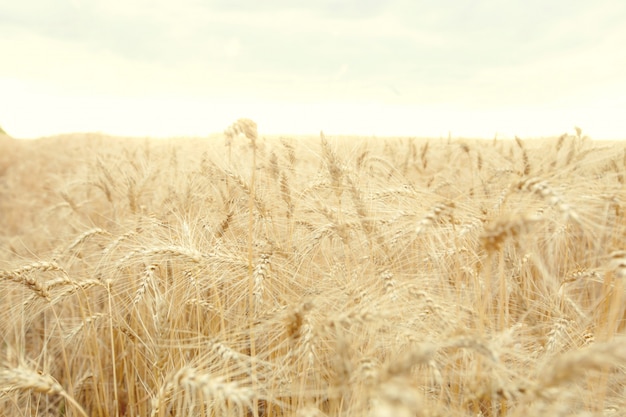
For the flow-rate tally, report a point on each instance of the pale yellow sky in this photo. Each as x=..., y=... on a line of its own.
x=190, y=68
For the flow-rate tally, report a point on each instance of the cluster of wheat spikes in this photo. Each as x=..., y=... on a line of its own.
x=314, y=277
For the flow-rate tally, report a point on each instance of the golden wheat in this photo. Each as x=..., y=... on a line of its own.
x=313, y=277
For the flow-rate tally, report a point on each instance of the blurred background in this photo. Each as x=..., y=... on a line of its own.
x=385, y=68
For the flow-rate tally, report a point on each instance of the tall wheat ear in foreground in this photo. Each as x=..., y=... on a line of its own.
x=251, y=276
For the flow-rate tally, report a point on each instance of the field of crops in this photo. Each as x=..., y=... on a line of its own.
x=243, y=275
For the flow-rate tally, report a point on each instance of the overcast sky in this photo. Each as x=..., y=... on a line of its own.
x=396, y=67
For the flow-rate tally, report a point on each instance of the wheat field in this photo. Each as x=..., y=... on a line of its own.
x=244, y=275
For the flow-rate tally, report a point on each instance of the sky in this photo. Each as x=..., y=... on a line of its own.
x=162, y=68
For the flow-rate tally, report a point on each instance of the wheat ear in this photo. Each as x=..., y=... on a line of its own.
x=525, y=159
x=22, y=276
x=22, y=378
